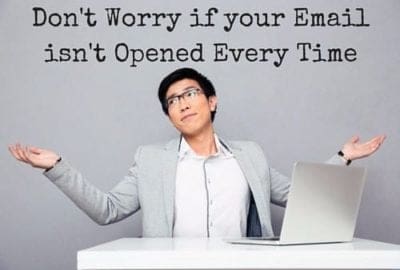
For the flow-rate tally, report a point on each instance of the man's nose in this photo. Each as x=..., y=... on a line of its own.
x=183, y=104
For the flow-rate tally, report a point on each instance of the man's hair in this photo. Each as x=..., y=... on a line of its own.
x=185, y=73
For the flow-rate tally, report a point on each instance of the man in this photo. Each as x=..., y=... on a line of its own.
x=196, y=186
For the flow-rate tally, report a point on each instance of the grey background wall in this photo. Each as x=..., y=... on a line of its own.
x=96, y=114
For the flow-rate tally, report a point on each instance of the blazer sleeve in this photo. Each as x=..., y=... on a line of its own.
x=280, y=185
x=102, y=207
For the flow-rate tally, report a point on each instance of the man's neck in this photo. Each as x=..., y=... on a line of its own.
x=203, y=144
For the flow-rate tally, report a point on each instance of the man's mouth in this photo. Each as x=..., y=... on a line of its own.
x=187, y=116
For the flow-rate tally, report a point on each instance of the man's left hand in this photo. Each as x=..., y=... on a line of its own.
x=353, y=149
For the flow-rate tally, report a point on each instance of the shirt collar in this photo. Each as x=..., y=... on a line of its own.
x=185, y=150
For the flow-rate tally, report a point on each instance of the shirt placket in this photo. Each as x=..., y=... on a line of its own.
x=208, y=183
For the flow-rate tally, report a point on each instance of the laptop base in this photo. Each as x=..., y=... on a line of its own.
x=271, y=241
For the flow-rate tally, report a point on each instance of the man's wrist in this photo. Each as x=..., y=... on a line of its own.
x=58, y=160
x=345, y=159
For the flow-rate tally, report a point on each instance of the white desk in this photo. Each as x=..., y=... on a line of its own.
x=200, y=253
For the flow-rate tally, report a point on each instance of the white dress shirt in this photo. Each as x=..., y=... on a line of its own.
x=212, y=195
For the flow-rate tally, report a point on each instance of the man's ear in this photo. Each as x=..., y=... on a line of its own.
x=212, y=101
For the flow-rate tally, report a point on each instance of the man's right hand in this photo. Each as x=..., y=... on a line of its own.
x=36, y=157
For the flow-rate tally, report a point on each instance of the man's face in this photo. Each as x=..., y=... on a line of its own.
x=191, y=112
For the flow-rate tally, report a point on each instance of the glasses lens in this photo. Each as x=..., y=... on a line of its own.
x=187, y=95
x=192, y=93
x=172, y=101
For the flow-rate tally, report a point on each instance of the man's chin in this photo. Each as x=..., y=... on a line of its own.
x=189, y=132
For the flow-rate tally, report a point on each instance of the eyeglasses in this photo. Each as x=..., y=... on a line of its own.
x=189, y=95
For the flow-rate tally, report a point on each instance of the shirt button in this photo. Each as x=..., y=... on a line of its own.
x=209, y=180
x=211, y=202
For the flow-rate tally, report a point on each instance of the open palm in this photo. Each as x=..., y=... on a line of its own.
x=36, y=157
x=353, y=149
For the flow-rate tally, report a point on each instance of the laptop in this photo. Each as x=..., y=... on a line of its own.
x=322, y=206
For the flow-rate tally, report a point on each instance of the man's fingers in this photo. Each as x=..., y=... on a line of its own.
x=354, y=139
x=374, y=144
x=382, y=138
x=374, y=148
x=14, y=152
x=28, y=154
x=10, y=148
x=22, y=153
x=18, y=152
x=378, y=140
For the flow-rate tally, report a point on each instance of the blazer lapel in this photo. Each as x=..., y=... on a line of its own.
x=249, y=171
x=253, y=179
x=169, y=160
x=246, y=165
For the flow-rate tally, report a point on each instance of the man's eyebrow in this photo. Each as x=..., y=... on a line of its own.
x=185, y=89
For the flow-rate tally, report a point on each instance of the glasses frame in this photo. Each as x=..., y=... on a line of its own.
x=183, y=95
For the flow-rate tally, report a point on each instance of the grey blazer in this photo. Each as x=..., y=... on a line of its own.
x=150, y=186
